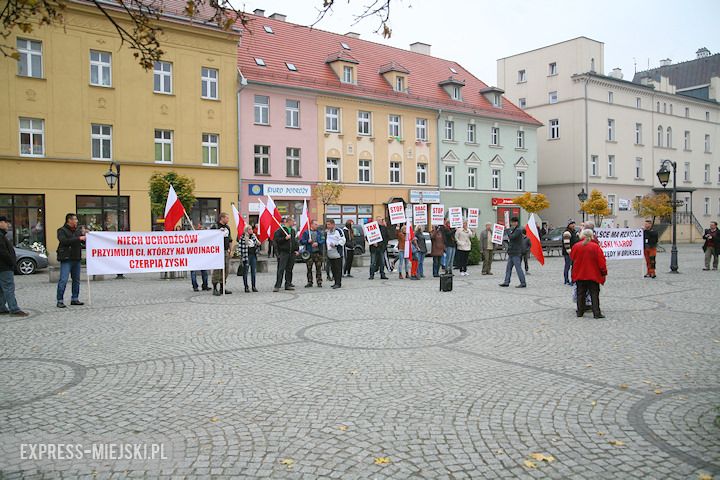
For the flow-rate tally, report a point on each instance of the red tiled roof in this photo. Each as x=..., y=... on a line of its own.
x=308, y=49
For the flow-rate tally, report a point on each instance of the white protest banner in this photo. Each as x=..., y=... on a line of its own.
x=455, y=217
x=621, y=243
x=497, y=234
x=437, y=214
x=420, y=214
x=397, y=213
x=473, y=215
x=146, y=252
x=372, y=233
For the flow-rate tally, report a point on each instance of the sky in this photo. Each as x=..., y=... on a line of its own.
x=475, y=33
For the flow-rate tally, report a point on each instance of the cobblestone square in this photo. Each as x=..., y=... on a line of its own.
x=381, y=379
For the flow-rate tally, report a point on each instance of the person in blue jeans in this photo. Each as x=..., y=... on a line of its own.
x=450, y=247
x=515, y=251
x=204, y=276
x=8, y=303
x=69, y=254
x=248, y=244
x=421, y=251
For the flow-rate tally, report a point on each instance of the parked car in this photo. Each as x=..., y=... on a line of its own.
x=29, y=261
x=553, y=239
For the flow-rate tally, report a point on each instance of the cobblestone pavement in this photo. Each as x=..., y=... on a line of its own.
x=381, y=379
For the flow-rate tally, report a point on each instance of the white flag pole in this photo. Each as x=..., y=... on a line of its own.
x=89, y=290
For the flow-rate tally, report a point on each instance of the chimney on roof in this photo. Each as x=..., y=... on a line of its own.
x=259, y=12
x=702, y=52
x=665, y=62
x=616, y=73
x=278, y=16
x=420, y=47
x=352, y=35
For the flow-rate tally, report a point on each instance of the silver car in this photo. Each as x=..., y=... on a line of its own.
x=392, y=246
x=29, y=261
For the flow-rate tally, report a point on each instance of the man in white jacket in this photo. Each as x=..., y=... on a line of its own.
x=335, y=241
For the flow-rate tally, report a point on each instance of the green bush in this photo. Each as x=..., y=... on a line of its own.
x=475, y=255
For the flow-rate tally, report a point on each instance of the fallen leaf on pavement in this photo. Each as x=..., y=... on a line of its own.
x=343, y=428
x=382, y=460
x=658, y=391
x=214, y=419
x=593, y=403
x=601, y=433
x=616, y=443
x=288, y=462
x=623, y=386
x=542, y=457
x=529, y=464
x=704, y=476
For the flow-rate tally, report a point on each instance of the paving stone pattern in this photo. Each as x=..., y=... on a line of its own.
x=320, y=383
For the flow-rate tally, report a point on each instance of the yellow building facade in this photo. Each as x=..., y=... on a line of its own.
x=77, y=100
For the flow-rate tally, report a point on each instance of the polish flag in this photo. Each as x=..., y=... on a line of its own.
x=535, y=246
x=239, y=221
x=270, y=225
x=409, y=235
x=174, y=210
x=304, y=219
x=261, y=229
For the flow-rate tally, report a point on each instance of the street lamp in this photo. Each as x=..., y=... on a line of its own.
x=582, y=196
x=112, y=178
x=663, y=176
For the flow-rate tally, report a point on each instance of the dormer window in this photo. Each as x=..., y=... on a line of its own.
x=348, y=74
x=291, y=67
x=268, y=29
x=260, y=61
x=493, y=95
x=453, y=87
x=497, y=100
x=399, y=83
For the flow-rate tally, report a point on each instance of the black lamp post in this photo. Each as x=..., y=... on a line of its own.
x=664, y=177
x=582, y=196
x=113, y=178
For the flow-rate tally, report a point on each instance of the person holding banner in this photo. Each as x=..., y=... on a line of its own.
x=401, y=260
x=588, y=272
x=203, y=275
x=69, y=254
x=650, y=240
x=314, y=241
x=462, y=238
x=377, y=252
x=248, y=244
x=437, y=239
x=514, y=253
x=349, y=248
x=420, y=254
x=487, y=248
x=286, y=248
x=219, y=283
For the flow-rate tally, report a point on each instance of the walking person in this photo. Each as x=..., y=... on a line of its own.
x=401, y=260
x=589, y=272
x=314, y=242
x=526, y=250
x=450, y=247
x=514, y=253
x=487, y=249
x=286, y=248
x=349, y=248
x=377, y=252
x=69, y=254
x=220, y=283
x=569, y=239
x=421, y=252
x=248, y=244
x=650, y=240
x=711, y=247
x=335, y=241
x=462, y=239
x=8, y=302
x=437, y=251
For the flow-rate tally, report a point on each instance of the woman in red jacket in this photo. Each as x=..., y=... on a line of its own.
x=588, y=272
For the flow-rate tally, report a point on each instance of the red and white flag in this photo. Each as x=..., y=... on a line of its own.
x=174, y=210
x=269, y=219
x=409, y=235
x=304, y=219
x=535, y=246
x=261, y=229
x=239, y=221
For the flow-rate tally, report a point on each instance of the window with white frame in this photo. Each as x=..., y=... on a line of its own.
x=495, y=136
x=292, y=162
x=638, y=102
x=638, y=134
x=611, y=166
x=163, y=146
x=395, y=170
x=210, y=149
x=29, y=58
x=348, y=76
x=706, y=206
x=364, y=171
x=594, y=167
x=292, y=113
x=32, y=137
x=449, y=176
x=421, y=129
x=421, y=173
x=456, y=93
x=687, y=112
x=497, y=100
x=554, y=130
x=332, y=169
x=262, y=110
x=522, y=102
x=394, y=125
x=552, y=97
x=707, y=173
x=520, y=139
x=449, y=130
x=332, y=119
x=162, y=77
x=552, y=68
x=262, y=160
x=472, y=178
x=520, y=180
x=611, y=130
x=101, y=141
x=471, y=137
x=660, y=136
x=611, y=97
x=495, y=179
x=611, y=203
x=707, y=143
x=209, y=81
x=686, y=140
x=399, y=83
x=686, y=172
x=638, y=168
x=100, y=68
x=363, y=119
x=668, y=137
x=522, y=77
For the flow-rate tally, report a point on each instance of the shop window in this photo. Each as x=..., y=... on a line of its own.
x=26, y=214
x=100, y=213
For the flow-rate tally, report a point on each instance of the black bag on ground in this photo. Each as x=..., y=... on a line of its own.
x=446, y=280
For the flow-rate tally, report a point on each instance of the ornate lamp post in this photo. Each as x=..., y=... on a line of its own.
x=113, y=178
x=582, y=196
x=664, y=177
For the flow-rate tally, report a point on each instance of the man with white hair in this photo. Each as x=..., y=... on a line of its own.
x=487, y=248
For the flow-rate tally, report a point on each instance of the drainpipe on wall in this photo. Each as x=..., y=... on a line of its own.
x=243, y=84
x=437, y=146
x=587, y=146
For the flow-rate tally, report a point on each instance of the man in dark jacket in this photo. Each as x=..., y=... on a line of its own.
x=514, y=253
x=377, y=251
x=286, y=248
x=650, y=240
x=711, y=247
x=220, y=283
x=313, y=241
x=8, y=303
x=69, y=254
x=569, y=239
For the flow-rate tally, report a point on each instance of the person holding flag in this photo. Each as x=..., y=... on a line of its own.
x=219, y=282
x=533, y=236
x=286, y=246
x=514, y=253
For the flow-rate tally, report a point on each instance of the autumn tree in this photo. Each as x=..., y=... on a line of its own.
x=653, y=206
x=596, y=205
x=327, y=193
x=532, y=203
x=159, y=185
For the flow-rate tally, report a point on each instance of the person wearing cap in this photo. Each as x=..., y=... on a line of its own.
x=569, y=239
x=8, y=302
x=514, y=253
